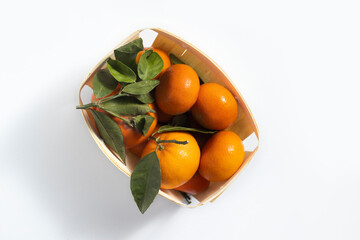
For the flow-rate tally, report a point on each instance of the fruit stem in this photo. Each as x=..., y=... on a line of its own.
x=161, y=147
x=173, y=141
x=112, y=97
x=187, y=197
x=86, y=106
x=94, y=104
x=126, y=120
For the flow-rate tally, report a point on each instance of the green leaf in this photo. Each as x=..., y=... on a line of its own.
x=168, y=128
x=143, y=123
x=120, y=71
x=127, y=53
x=125, y=106
x=133, y=46
x=174, y=60
x=141, y=87
x=103, y=83
x=150, y=65
x=145, y=181
x=110, y=132
x=145, y=98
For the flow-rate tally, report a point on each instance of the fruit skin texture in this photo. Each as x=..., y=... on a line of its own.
x=195, y=185
x=178, y=89
x=215, y=108
x=221, y=156
x=178, y=162
x=163, y=56
x=131, y=135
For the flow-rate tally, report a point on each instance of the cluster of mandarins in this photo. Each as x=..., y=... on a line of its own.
x=186, y=167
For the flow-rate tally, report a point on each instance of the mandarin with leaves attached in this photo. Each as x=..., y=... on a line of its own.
x=132, y=136
x=178, y=162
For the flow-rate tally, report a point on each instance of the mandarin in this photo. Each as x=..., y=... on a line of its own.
x=178, y=162
x=215, y=107
x=195, y=185
x=221, y=156
x=178, y=89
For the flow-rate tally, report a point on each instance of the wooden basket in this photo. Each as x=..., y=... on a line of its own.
x=208, y=71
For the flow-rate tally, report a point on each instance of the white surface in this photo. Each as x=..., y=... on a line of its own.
x=296, y=63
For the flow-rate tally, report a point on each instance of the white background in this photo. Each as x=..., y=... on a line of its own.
x=296, y=64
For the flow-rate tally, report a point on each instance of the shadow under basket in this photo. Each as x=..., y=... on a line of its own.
x=244, y=126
